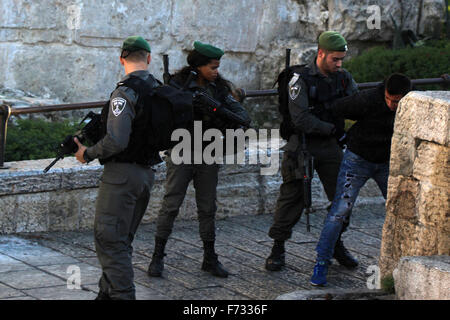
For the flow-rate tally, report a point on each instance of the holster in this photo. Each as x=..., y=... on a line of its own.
x=292, y=168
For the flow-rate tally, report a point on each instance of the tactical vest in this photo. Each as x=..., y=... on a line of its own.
x=319, y=93
x=159, y=111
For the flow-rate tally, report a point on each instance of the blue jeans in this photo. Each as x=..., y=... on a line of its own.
x=353, y=174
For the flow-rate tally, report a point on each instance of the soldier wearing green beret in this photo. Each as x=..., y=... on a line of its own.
x=205, y=61
x=310, y=89
x=127, y=178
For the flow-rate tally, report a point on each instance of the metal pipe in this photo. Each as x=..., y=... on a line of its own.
x=58, y=107
x=444, y=80
x=5, y=112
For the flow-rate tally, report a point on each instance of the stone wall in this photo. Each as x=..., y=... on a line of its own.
x=64, y=198
x=423, y=278
x=418, y=203
x=69, y=49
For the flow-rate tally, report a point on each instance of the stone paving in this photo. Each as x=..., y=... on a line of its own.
x=39, y=265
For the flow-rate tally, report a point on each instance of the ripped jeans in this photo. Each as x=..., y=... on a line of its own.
x=353, y=174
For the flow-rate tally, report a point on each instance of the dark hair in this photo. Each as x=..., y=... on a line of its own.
x=195, y=59
x=397, y=84
x=134, y=56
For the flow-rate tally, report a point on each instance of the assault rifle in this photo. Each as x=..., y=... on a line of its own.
x=90, y=132
x=166, y=74
x=307, y=164
x=202, y=100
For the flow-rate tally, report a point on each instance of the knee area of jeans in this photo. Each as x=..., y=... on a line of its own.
x=338, y=218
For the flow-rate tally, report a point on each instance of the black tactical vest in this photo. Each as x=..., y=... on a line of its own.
x=321, y=92
x=139, y=149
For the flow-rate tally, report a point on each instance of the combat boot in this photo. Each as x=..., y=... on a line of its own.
x=277, y=258
x=344, y=257
x=156, y=266
x=103, y=296
x=211, y=262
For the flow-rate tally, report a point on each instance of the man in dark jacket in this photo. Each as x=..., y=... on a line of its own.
x=367, y=156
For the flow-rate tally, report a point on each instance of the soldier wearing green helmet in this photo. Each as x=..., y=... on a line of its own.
x=128, y=177
x=310, y=88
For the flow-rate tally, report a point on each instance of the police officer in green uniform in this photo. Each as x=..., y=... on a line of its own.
x=205, y=61
x=310, y=89
x=128, y=177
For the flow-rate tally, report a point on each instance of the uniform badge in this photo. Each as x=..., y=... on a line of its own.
x=117, y=105
x=294, y=87
x=294, y=79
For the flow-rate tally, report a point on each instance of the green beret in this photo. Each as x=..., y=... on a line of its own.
x=332, y=41
x=135, y=43
x=208, y=50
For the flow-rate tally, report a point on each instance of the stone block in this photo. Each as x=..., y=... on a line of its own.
x=8, y=292
x=401, y=199
x=333, y=294
x=402, y=155
x=423, y=278
x=433, y=204
x=29, y=279
x=67, y=200
x=418, y=206
x=424, y=115
x=90, y=35
x=432, y=164
x=60, y=293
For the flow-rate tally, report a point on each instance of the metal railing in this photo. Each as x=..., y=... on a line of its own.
x=6, y=111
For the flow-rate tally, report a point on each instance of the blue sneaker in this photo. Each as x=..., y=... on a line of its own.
x=319, y=277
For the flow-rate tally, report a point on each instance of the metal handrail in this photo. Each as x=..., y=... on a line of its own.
x=443, y=80
x=6, y=111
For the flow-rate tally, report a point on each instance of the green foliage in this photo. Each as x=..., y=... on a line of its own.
x=428, y=61
x=387, y=284
x=30, y=139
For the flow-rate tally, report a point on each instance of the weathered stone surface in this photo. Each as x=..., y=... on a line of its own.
x=432, y=164
x=242, y=245
x=423, y=278
x=418, y=204
x=84, y=37
x=64, y=198
x=424, y=115
x=333, y=294
x=430, y=21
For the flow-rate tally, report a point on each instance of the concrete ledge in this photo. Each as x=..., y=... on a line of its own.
x=64, y=198
x=423, y=278
x=336, y=294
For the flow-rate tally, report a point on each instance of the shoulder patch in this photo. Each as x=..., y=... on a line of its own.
x=294, y=79
x=294, y=87
x=117, y=105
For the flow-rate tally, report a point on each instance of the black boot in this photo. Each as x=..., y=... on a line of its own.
x=342, y=255
x=156, y=267
x=103, y=296
x=276, y=260
x=211, y=262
